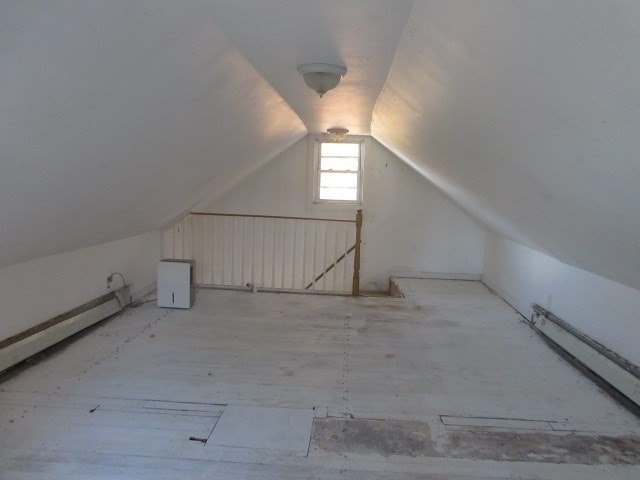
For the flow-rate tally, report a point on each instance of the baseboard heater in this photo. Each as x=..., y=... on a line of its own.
x=17, y=348
x=614, y=369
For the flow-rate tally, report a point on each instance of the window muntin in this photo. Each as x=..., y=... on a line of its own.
x=340, y=163
x=339, y=172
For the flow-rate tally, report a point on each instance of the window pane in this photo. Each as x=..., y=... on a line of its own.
x=340, y=150
x=338, y=194
x=339, y=172
x=339, y=180
x=339, y=163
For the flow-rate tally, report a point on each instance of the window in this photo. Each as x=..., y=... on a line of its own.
x=338, y=172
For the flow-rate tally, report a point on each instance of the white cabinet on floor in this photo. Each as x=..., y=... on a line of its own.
x=175, y=283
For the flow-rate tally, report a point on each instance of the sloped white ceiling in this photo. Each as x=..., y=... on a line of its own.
x=527, y=114
x=276, y=36
x=118, y=115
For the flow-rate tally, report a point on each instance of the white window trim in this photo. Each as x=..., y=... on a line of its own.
x=314, y=153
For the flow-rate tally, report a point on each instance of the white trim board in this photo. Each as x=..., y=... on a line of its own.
x=437, y=275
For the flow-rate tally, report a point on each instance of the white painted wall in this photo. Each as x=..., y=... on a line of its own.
x=605, y=310
x=409, y=225
x=40, y=289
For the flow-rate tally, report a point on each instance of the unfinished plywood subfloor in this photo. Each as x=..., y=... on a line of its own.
x=451, y=362
x=268, y=428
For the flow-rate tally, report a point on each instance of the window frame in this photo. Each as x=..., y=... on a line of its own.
x=316, y=172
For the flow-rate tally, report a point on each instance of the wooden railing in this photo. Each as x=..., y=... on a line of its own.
x=269, y=252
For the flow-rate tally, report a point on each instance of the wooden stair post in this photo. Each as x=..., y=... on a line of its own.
x=355, y=290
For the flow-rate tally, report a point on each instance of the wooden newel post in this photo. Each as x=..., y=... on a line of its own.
x=355, y=291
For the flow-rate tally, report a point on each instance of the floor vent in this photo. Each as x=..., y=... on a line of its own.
x=614, y=369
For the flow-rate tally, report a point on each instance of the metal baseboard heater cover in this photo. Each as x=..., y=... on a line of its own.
x=15, y=349
x=614, y=369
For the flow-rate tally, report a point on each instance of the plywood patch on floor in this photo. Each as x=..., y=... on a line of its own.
x=366, y=436
x=487, y=423
x=269, y=428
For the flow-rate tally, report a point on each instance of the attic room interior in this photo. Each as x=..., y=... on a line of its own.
x=320, y=240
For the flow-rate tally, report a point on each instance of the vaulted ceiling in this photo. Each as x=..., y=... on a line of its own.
x=118, y=116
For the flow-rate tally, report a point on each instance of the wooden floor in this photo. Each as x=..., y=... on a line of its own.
x=447, y=383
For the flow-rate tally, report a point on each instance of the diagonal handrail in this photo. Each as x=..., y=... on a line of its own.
x=355, y=290
x=330, y=267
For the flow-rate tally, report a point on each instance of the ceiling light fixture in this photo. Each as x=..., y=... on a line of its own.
x=337, y=134
x=321, y=77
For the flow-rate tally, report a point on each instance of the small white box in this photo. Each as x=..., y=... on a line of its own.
x=175, y=283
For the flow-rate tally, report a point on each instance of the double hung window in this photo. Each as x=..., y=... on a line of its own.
x=338, y=172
